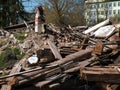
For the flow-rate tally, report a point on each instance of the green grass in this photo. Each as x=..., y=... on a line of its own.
x=18, y=54
x=2, y=63
x=20, y=36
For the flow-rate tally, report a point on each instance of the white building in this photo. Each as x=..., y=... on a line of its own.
x=98, y=10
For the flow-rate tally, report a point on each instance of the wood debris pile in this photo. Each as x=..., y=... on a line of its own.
x=59, y=55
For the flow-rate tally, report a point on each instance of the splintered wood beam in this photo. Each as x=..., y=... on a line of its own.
x=78, y=56
x=101, y=74
x=54, y=50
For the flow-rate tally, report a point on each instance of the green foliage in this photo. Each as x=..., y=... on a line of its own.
x=10, y=55
x=2, y=63
x=11, y=11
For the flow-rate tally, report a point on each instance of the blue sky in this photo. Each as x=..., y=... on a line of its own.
x=30, y=4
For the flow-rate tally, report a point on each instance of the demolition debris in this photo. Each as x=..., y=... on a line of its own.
x=58, y=55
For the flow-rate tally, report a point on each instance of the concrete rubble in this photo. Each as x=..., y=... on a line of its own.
x=59, y=55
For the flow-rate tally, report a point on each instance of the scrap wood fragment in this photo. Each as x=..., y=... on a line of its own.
x=54, y=50
x=98, y=48
x=101, y=74
x=85, y=41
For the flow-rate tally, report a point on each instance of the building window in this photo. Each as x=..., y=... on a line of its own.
x=114, y=4
x=93, y=7
x=110, y=12
x=98, y=5
x=114, y=11
x=110, y=4
x=118, y=3
x=106, y=5
x=102, y=5
x=93, y=13
x=119, y=11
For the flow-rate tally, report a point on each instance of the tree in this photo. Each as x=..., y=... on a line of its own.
x=64, y=12
x=10, y=12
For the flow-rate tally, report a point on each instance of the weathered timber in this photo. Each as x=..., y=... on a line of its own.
x=18, y=25
x=99, y=48
x=45, y=74
x=78, y=56
x=89, y=30
x=49, y=80
x=85, y=41
x=66, y=63
x=101, y=74
x=31, y=71
x=80, y=64
x=54, y=50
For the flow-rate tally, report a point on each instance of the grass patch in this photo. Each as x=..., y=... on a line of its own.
x=18, y=54
x=20, y=36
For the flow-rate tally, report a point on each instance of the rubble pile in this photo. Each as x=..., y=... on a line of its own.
x=59, y=55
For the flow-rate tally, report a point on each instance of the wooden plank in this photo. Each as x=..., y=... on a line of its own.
x=78, y=56
x=18, y=25
x=54, y=50
x=89, y=30
x=85, y=41
x=81, y=64
x=101, y=74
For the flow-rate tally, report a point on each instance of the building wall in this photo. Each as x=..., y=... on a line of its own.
x=96, y=12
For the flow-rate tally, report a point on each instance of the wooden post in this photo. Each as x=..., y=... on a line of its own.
x=98, y=48
x=37, y=15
